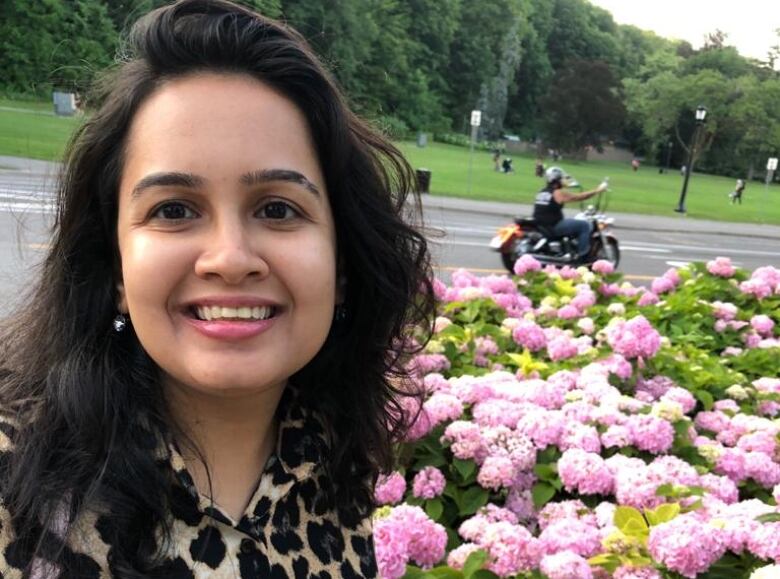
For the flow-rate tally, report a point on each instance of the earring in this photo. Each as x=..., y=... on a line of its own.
x=120, y=321
x=340, y=313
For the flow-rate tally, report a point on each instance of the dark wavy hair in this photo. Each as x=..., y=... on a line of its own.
x=76, y=392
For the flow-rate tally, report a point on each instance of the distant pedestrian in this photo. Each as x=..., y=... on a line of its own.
x=506, y=166
x=736, y=195
x=682, y=170
x=539, y=168
x=635, y=164
x=497, y=159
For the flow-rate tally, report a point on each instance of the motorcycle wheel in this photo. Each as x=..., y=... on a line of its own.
x=610, y=252
x=509, y=259
x=510, y=255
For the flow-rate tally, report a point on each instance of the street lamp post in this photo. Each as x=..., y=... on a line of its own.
x=701, y=115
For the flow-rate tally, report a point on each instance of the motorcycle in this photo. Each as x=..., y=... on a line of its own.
x=527, y=237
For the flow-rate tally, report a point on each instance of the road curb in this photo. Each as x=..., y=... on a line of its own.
x=707, y=227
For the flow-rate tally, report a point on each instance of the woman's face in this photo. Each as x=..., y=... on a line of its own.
x=226, y=238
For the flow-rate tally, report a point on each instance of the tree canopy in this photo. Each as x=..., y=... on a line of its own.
x=559, y=71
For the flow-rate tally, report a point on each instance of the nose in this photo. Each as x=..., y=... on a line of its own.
x=231, y=253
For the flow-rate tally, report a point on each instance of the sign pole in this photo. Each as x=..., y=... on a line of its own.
x=771, y=167
x=476, y=118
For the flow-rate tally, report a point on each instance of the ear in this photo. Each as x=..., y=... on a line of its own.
x=121, y=302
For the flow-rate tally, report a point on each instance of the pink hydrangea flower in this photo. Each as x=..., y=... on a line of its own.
x=442, y=407
x=634, y=338
x=662, y=285
x=529, y=335
x=721, y=266
x=648, y=299
x=631, y=572
x=762, y=324
x=496, y=472
x=511, y=549
x=423, y=364
x=390, y=489
x=525, y=264
x=428, y=483
x=457, y=557
x=650, y=433
x=465, y=438
x=609, y=289
x=570, y=535
x=561, y=348
x=585, y=472
x=686, y=546
x=407, y=534
x=724, y=311
x=764, y=541
x=682, y=396
x=566, y=565
x=602, y=266
x=569, y=312
x=564, y=511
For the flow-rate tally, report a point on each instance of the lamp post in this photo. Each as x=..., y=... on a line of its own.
x=701, y=115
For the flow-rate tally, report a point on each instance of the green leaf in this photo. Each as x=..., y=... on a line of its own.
x=453, y=331
x=662, y=513
x=625, y=515
x=484, y=574
x=542, y=492
x=472, y=500
x=546, y=472
x=413, y=573
x=705, y=398
x=434, y=508
x=608, y=561
x=665, y=490
x=769, y=518
x=636, y=528
x=466, y=468
x=443, y=572
x=474, y=563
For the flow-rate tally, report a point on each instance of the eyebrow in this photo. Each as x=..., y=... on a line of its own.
x=192, y=181
x=287, y=175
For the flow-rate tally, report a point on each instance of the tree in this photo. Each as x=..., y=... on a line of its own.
x=582, y=107
x=51, y=44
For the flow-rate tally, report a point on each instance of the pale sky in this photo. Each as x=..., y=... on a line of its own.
x=750, y=24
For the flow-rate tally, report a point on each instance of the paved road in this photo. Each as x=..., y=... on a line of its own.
x=459, y=231
x=462, y=238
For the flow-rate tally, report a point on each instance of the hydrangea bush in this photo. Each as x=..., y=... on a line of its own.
x=577, y=426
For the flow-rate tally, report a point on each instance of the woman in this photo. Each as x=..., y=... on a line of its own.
x=201, y=385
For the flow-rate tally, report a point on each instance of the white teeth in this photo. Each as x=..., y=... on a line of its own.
x=242, y=313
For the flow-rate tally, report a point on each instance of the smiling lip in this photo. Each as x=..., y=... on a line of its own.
x=231, y=329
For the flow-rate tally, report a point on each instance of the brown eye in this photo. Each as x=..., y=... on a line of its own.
x=278, y=210
x=173, y=211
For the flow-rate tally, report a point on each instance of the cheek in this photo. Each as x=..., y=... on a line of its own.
x=150, y=270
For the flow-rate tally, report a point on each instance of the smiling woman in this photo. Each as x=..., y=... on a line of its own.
x=205, y=381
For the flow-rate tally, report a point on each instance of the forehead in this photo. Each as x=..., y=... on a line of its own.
x=222, y=122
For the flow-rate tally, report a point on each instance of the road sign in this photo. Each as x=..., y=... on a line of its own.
x=771, y=164
x=476, y=118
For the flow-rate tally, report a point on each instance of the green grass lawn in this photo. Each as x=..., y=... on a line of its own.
x=40, y=135
x=645, y=191
x=36, y=134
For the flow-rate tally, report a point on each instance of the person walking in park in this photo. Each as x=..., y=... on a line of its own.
x=736, y=195
x=205, y=380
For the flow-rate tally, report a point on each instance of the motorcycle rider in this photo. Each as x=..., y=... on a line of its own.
x=548, y=210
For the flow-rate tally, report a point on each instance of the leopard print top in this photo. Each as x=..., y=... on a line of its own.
x=287, y=530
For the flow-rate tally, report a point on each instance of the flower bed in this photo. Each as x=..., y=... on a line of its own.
x=575, y=426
